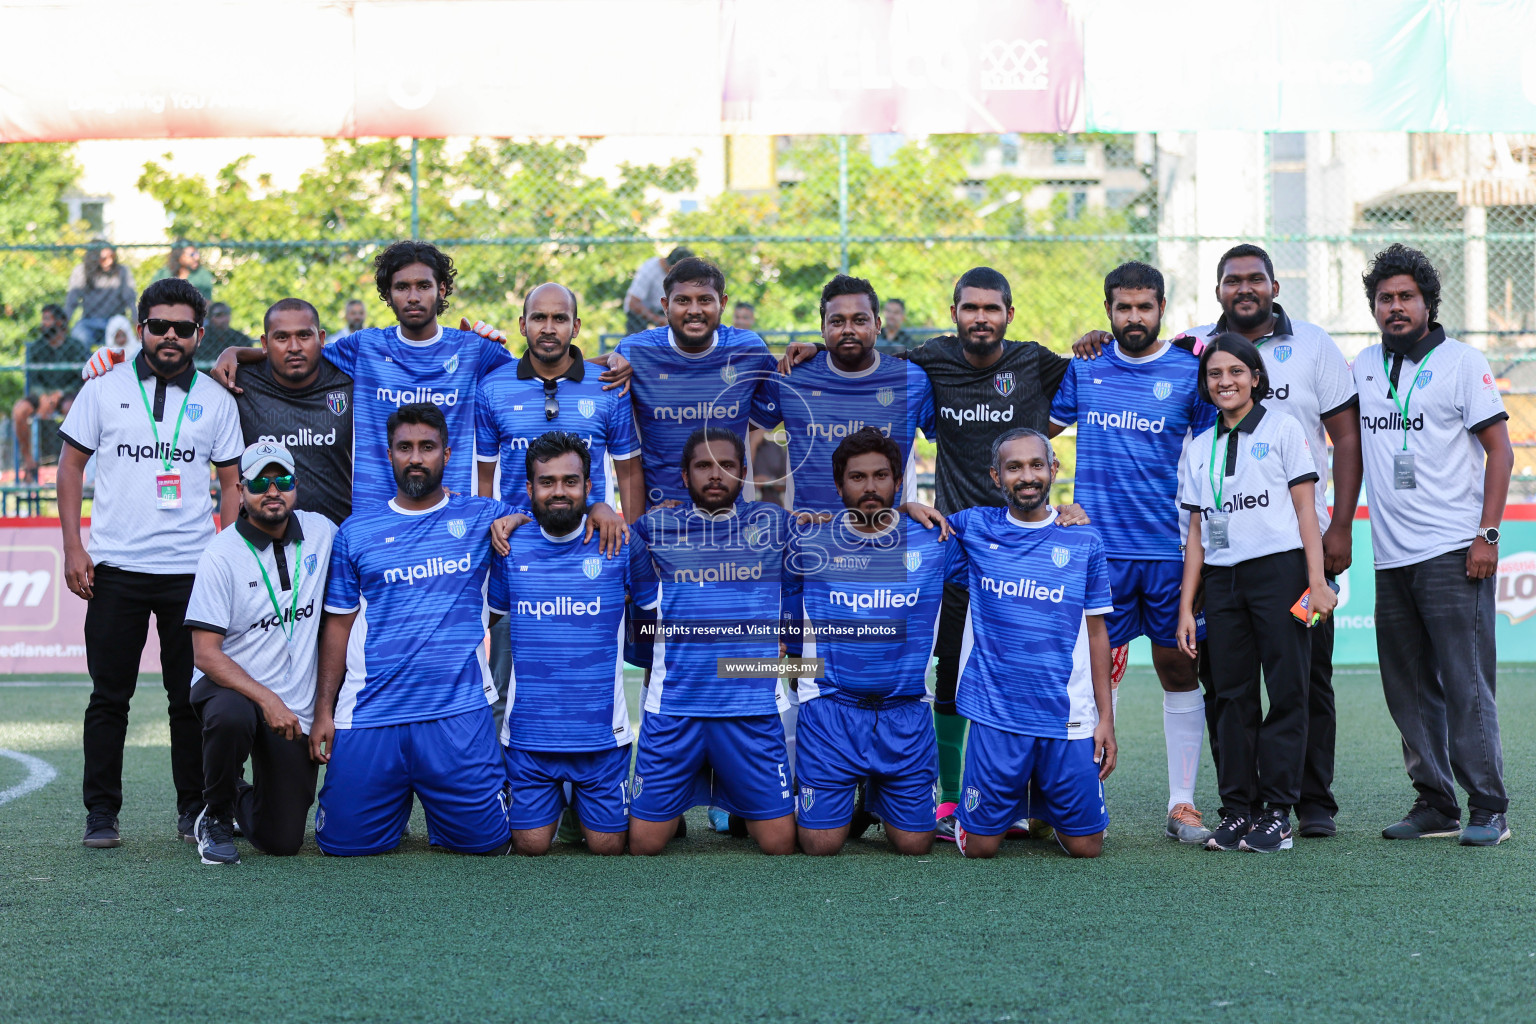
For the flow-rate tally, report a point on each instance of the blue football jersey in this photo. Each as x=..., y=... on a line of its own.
x=1024, y=655
x=717, y=584
x=565, y=601
x=677, y=392
x=820, y=405
x=1134, y=417
x=417, y=581
x=509, y=412
x=870, y=603
x=388, y=372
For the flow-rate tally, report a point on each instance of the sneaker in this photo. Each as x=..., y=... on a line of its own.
x=958, y=837
x=1186, y=825
x=1422, y=822
x=945, y=825
x=719, y=819
x=1271, y=832
x=186, y=827
x=1485, y=828
x=1229, y=834
x=101, y=831
x=736, y=827
x=1315, y=824
x=216, y=839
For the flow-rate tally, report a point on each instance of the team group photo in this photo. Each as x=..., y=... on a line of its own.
x=611, y=560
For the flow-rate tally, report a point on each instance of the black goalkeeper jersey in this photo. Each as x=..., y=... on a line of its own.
x=314, y=423
x=972, y=407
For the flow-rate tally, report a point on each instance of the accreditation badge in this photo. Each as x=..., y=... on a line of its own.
x=168, y=490
x=1402, y=472
x=1217, y=527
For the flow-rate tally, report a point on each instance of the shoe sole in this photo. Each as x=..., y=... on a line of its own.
x=1215, y=847
x=101, y=844
x=222, y=863
x=1496, y=842
x=1427, y=835
x=1189, y=842
x=1285, y=844
x=1317, y=833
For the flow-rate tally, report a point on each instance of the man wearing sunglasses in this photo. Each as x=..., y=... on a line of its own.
x=157, y=430
x=254, y=617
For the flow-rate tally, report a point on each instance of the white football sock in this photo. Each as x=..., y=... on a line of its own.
x=1184, y=734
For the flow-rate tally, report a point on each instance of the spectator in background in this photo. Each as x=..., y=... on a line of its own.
x=770, y=471
x=186, y=263
x=642, y=303
x=892, y=338
x=744, y=317
x=220, y=335
x=51, y=392
x=101, y=288
x=356, y=315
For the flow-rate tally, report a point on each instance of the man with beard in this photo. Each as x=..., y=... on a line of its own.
x=402, y=702
x=157, y=429
x=871, y=583
x=1135, y=409
x=568, y=724
x=983, y=384
x=255, y=649
x=714, y=570
x=1042, y=740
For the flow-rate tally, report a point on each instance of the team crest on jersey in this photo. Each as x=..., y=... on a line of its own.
x=728, y=373
x=914, y=559
x=336, y=401
x=590, y=567
x=310, y=561
x=1060, y=556
x=194, y=412
x=456, y=527
x=1003, y=382
x=1260, y=449
x=586, y=406
x=1161, y=390
x=885, y=396
x=1282, y=352
x=807, y=797
x=753, y=535
x=1422, y=380
x=452, y=364
x=634, y=789
x=972, y=797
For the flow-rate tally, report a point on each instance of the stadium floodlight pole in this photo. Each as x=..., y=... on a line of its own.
x=842, y=203
x=415, y=195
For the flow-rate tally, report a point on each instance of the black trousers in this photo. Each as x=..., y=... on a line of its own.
x=116, y=626
x=273, y=807
x=1249, y=626
x=946, y=647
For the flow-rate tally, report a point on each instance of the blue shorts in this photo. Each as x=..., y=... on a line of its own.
x=1008, y=777
x=892, y=750
x=1146, y=599
x=453, y=764
x=598, y=781
x=737, y=764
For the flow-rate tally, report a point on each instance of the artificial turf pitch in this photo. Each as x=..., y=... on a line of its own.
x=1350, y=928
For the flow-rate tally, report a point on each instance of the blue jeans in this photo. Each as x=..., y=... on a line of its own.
x=1435, y=644
x=90, y=330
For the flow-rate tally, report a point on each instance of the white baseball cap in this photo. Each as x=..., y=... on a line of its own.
x=262, y=454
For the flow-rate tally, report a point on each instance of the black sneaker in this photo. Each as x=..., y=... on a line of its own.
x=1422, y=822
x=101, y=831
x=862, y=819
x=216, y=839
x=1312, y=823
x=1271, y=832
x=186, y=826
x=1229, y=834
x=1485, y=828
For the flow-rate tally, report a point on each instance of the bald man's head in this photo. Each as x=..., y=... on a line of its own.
x=549, y=322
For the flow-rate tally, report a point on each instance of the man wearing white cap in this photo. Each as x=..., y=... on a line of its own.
x=255, y=621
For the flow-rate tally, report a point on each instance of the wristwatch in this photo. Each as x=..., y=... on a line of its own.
x=1489, y=534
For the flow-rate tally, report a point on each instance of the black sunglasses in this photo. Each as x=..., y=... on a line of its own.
x=160, y=328
x=259, y=485
x=551, y=401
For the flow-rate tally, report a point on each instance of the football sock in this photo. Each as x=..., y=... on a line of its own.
x=1184, y=734
x=951, y=733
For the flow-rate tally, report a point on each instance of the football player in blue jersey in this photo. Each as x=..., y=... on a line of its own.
x=838, y=391
x=870, y=585
x=568, y=724
x=403, y=698
x=1034, y=677
x=714, y=571
x=1135, y=408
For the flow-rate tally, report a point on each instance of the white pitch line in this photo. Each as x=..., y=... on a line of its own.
x=39, y=774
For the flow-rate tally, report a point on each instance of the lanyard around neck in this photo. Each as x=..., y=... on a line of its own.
x=170, y=456
x=298, y=569
x=1402, y=406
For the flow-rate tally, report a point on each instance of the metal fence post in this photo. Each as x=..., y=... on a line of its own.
x=415, y=195
x=842, y=203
